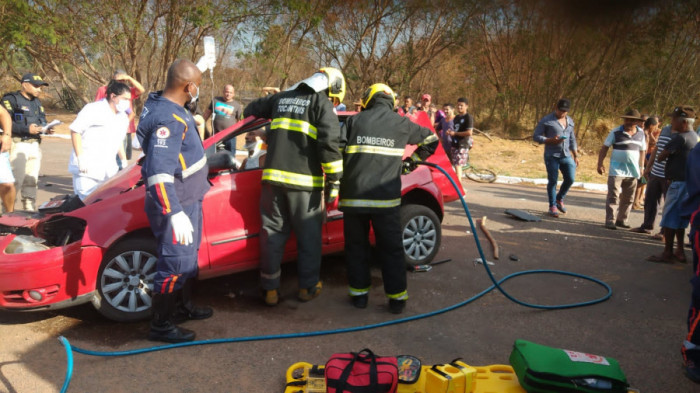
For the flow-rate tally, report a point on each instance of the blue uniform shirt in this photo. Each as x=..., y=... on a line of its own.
x=175, y=168
x=549, y=127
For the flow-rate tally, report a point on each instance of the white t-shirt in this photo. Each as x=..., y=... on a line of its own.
x=102, y=132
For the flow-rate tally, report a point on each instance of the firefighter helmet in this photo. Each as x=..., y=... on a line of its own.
x=377, y=88
x=336, y=83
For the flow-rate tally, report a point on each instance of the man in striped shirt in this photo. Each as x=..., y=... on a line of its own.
x=627, y=158
x=656, y=182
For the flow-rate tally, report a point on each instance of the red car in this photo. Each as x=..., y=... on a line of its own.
x=102, y=251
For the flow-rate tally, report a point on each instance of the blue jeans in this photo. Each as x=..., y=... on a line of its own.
x=567, y=166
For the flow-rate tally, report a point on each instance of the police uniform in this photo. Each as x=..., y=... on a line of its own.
x=26, y=154
x=175, y=173
x=370, y=191
x=302, y=146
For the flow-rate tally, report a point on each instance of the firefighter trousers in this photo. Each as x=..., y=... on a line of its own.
x=283, y=210
x=389, y=250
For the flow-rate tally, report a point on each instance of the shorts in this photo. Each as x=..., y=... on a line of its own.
x=671, y=217
x=6, y=169
x=459, y=156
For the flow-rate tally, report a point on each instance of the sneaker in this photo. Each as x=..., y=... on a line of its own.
x=610, y=225
x=396, y=306
x=271, y=297
x=360, y=301
x=306, y=294
x=641, y=230
x=560, y=206
x=553, y=211
x=622, y=224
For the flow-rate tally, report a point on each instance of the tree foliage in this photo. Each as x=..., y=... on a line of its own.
x=512, y=58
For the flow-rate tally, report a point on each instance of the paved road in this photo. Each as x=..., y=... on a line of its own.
x=642, y=325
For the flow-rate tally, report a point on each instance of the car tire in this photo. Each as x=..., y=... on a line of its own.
x=125, y=280
x=421, y=234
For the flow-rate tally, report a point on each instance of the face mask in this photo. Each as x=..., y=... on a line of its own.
x=122, y=105
x=250, y=145
x=194, y=98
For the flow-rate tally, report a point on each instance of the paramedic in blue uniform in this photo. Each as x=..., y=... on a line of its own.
x=175, y=172
x=370, y=192
x=302, y=146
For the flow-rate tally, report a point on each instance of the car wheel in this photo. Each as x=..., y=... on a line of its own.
x=421, y=234
x=125, y=280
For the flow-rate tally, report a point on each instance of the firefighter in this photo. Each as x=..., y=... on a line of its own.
x=370, y=192
x=302, y=145
x=175, y=172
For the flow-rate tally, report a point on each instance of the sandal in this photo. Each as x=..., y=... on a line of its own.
x=660, y=259
x=680, y=257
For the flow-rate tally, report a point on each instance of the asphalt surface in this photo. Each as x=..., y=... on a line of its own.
x=642, y=325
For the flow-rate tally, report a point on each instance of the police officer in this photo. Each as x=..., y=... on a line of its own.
x=302, y=146
x=175, y=171
x=28, y=121
x=370, y=192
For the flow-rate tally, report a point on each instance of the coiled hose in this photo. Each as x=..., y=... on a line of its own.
x=496, y=284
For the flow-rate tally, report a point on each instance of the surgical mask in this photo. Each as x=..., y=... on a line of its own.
x=122, y=105
x=250, y=145
x=194, y=99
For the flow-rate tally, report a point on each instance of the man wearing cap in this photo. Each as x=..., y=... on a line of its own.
x=675, y=153
x=556, y=132
x=28, y=121
x=627, y=158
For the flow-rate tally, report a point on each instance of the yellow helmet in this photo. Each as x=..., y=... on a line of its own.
x=336, y=83
x=377, y=88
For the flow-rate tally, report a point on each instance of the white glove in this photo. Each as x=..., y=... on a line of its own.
x=182, y=228
x=82, y=165
x=124, y=163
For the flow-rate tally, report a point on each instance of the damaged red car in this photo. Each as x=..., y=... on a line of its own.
x=102, y=251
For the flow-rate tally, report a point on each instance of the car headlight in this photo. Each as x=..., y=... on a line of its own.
x=23, y=244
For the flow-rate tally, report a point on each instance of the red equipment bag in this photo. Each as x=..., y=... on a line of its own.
x=361, y=372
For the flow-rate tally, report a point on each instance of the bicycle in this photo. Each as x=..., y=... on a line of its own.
x=476, y=174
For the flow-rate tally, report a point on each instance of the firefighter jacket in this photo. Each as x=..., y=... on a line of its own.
x=302, y=143
x=175, y=168
x=24, y=113
x=374, y=143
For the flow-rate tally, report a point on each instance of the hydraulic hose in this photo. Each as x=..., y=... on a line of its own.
x=496, y=285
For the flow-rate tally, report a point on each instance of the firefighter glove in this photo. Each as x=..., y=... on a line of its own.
x=331, y=191
x=182, y=228
x=409, y=165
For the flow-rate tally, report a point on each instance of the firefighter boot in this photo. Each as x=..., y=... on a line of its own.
x=185, y=309
x=306, y=294
x=162, y=327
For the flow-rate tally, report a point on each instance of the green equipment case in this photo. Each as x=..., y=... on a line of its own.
x=542, y=369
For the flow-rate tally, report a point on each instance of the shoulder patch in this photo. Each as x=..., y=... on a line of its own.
x=163, y=133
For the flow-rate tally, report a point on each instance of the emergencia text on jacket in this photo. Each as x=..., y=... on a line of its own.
x=175, y=167
x=302, y=143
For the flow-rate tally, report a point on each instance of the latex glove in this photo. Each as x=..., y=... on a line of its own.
x=182, y=228
x=82, y=165
x=330, y=192
x=123, y=163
